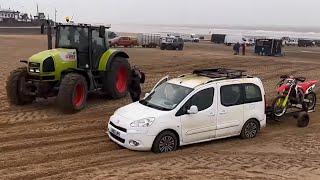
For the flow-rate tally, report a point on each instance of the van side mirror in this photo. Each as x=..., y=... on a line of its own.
x=102, y=32
x=193, y=110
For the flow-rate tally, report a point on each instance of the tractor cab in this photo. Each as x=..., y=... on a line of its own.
x=89, y=42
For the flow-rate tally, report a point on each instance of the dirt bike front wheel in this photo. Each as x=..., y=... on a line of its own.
x=279, y=108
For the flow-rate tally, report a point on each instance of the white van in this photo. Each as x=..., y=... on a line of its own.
x=202, y=106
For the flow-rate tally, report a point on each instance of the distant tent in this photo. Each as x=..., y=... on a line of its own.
x=268, y=47
x=218, y=38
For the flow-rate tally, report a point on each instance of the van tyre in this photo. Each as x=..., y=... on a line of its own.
x=250, y=129
x=117, y=78
x=303, y=120
x=166, y=141
x=162, y=47
x=14, y=93
x=73, y=91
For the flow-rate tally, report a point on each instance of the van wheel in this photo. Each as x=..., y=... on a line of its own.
x=166, y=141
x=250, y=129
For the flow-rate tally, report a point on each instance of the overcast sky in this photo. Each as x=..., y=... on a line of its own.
x=300, y=13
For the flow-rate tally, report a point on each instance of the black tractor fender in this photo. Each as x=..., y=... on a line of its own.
x=83, y=72
x=114, y=55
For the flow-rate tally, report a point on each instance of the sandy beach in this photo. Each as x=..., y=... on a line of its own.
x=38, y=141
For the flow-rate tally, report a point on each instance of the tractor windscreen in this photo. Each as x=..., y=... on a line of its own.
x=73, y=37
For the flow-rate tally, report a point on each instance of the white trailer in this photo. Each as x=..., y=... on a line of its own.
x=233, y=39
x=149, y=40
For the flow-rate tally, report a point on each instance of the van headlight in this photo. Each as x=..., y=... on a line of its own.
x=146, y=122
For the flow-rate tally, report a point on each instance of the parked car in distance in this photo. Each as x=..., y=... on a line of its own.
x=123, y=41
x=190, y=38
x=202, y=106
x=171, y=43
x=195, y=38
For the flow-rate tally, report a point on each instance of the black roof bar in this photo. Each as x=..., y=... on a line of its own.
x=220, y=73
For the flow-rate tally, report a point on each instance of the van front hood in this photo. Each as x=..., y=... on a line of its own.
x=136, y=111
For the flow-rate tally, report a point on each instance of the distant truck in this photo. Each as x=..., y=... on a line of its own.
x=190, y=38
x=123, y=41
x=233, y=39
x=287, y=41
x=171, y=43
x=306, y=43
x=149, y=40
x=194, y=38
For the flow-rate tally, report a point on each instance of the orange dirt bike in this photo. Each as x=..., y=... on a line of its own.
x=294, y=92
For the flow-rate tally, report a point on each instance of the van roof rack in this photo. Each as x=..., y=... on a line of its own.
x=221, y=73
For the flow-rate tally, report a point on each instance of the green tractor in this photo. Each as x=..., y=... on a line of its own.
x=81, y=62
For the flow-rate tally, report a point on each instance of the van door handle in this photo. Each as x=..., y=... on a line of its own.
x=223, y=112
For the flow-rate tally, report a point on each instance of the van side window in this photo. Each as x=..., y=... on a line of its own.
x=202, y=99
x=252, y=93
x=231, y=95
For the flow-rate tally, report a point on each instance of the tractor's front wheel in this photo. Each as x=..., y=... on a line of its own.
x=73, y=93
x=14, y=90
x=117, y=78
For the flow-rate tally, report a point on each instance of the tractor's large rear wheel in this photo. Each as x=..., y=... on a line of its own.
x=117, y=78
x=14, y=90
x=73, y=93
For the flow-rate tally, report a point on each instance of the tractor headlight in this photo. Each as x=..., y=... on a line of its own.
x=34, y=67
x=48, y=65
x=146, y=122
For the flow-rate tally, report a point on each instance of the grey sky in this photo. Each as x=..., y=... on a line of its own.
x=300, y=13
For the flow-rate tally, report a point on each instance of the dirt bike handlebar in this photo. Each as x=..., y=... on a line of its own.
x=301, y=79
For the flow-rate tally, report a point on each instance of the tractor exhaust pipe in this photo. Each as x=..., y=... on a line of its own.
x=49, y=35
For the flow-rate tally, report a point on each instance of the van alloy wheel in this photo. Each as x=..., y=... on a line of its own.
x=166, y=144
x=251, y=130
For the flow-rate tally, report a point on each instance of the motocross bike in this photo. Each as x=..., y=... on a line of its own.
x=294, y=92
